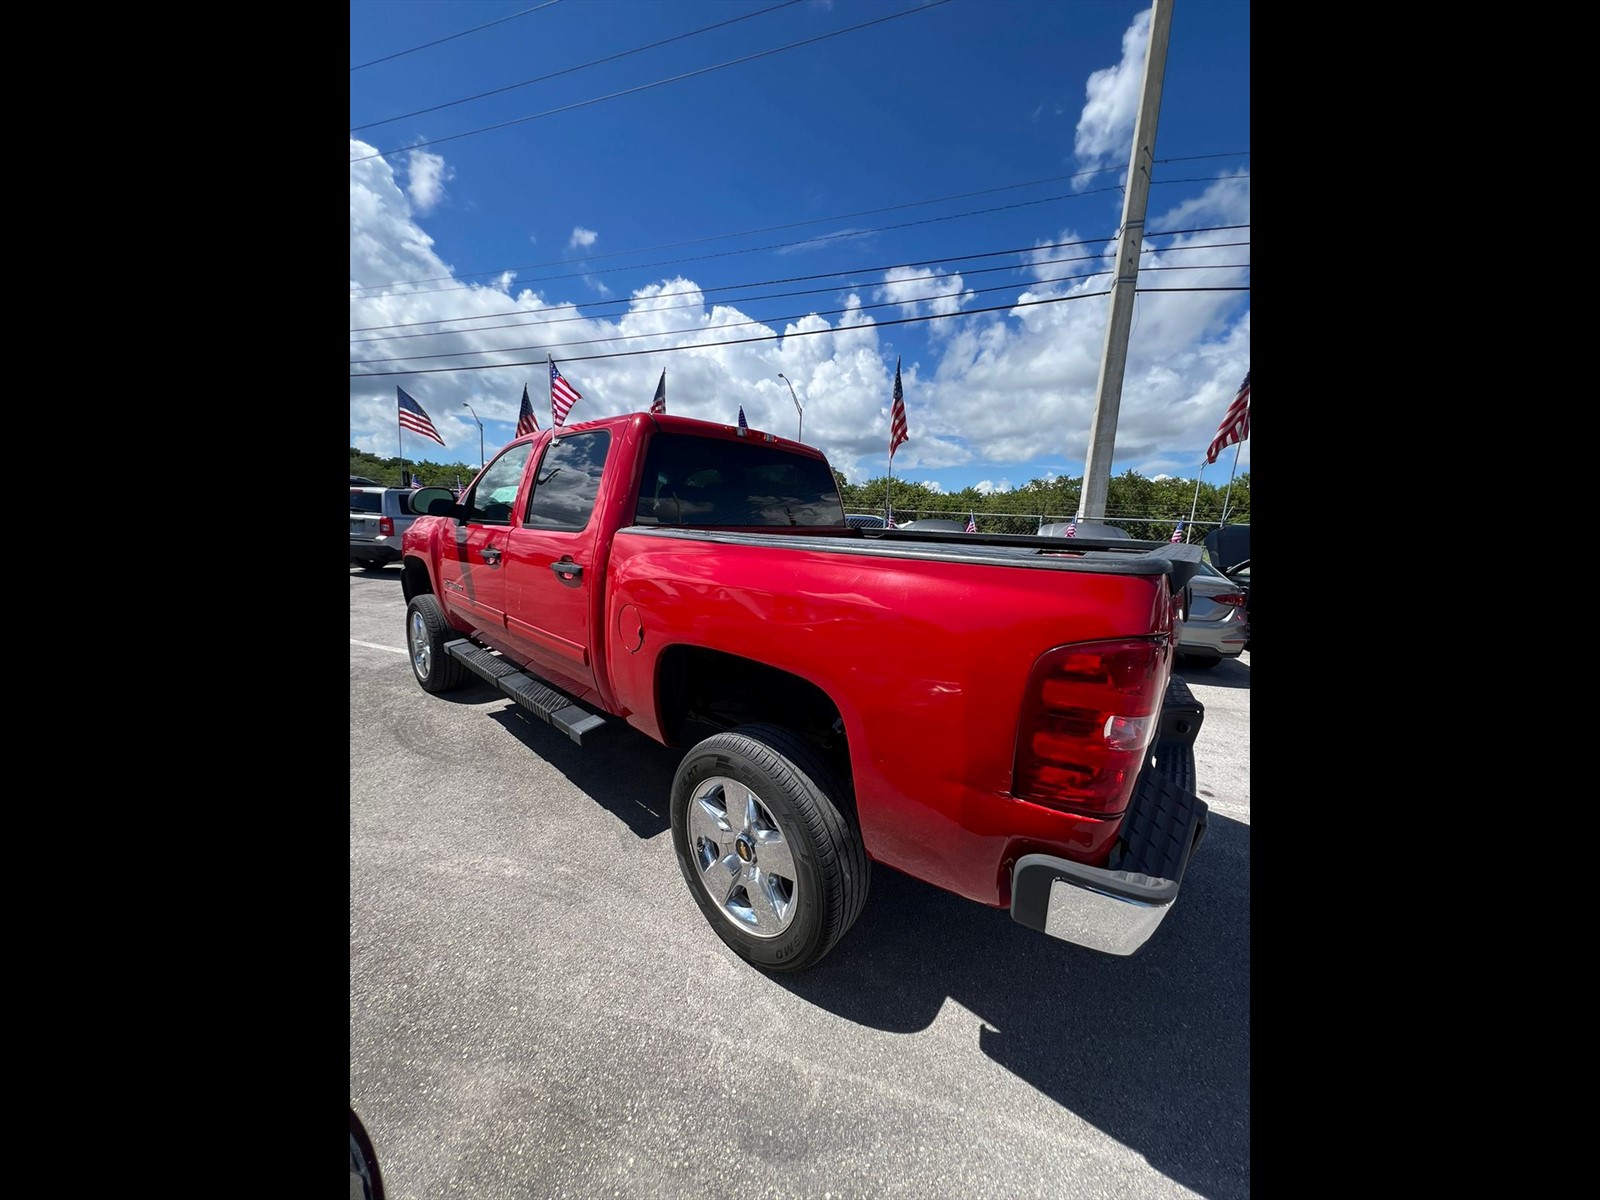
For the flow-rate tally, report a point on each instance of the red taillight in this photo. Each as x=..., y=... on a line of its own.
x=385, y=526
x=1088, y=715
x=1234, y=598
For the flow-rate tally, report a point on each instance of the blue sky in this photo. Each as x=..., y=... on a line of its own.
x=636, y=215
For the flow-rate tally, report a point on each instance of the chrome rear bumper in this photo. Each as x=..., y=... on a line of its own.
x=1115, y=908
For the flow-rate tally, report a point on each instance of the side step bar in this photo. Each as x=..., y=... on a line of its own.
x=543, y=701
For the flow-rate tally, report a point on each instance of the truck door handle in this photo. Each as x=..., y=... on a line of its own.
x=491, y=555
x=566, y=569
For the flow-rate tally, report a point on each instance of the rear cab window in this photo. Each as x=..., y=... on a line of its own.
x=698, y=481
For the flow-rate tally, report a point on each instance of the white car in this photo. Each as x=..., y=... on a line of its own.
x=1217, y=625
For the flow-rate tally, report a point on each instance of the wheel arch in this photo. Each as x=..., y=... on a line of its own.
x=696, y=685
x=414, y=577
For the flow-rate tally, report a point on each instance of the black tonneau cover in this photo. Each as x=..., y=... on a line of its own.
x=1106, y=556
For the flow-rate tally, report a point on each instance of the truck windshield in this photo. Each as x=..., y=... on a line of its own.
x=706, y=481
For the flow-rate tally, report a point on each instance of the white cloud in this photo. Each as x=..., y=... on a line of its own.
x=1010, y=395
x=1105, y=127
x=582, y=238
x=428, y=174
x=921, y=290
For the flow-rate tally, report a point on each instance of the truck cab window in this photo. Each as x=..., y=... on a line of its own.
x=568, y=481
x=491, y=498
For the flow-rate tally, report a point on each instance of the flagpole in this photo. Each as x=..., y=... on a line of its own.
x=400, y=437
x=1196, y=503
x=1237, y=446
x=887, y=488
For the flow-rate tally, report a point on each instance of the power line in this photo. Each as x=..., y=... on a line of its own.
x=712, y=345
x=829, y=312
x=926, y=262
x=626, y=303
x=844, y=236
x=569, y=70
x=644, y=87
x=717, y=237
x=847, y=235
x=798, y=333
x=453, y=36
x=629, y=337
x=866, y=212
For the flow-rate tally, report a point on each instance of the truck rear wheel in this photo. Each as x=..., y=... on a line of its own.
x=426, y=633
x=766, y=843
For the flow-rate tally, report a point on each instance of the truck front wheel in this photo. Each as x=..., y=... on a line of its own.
x=767, y=846
x=426, y=633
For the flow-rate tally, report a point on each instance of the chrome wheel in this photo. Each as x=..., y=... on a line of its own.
x=742, y=858
x=421, y=646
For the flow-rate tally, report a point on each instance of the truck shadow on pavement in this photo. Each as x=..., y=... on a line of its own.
x=641, y=804
x=1153, y=1049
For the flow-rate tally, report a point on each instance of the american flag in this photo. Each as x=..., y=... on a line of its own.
x=897, y=415
x=1072, y=528
x=413, y=418
x=1235, y=425
x=972, y=523
x=562, y=395
x=744, y=426
x=526, y=421
x=1177, y=534
x=659, y=404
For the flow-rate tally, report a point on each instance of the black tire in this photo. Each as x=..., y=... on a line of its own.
x=800, y=819
x=426, y=633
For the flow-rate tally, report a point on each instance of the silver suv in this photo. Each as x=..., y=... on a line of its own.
x=378, y=517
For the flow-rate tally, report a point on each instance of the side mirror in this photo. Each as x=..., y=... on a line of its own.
x=434, y=502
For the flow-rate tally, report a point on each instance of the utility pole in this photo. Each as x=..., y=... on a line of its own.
x=1114, y=357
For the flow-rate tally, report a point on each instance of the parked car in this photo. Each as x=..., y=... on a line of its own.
x=378, y=517
x=938, y=524
x=865, y=521
x=363, y=481
x=1216, y=625
x=1229, y=550
x=1096, y=529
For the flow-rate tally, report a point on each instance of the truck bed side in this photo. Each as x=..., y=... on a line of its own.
x=922, y=653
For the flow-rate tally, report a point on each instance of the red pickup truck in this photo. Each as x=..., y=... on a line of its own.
x=993, y=714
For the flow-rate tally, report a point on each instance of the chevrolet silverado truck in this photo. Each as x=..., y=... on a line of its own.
x=994, y=714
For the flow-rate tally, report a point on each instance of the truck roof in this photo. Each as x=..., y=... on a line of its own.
x=672, y=423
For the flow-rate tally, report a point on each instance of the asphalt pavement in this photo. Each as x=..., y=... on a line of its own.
x=538, y=1009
